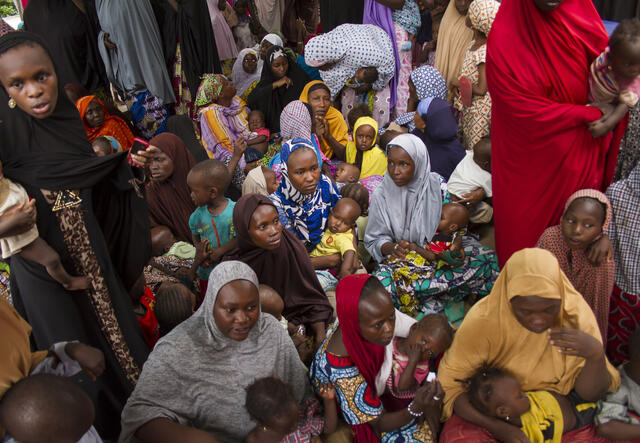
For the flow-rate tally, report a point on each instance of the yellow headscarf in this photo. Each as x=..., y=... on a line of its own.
x=374, y=162
x=337, y=126
x=491, y=334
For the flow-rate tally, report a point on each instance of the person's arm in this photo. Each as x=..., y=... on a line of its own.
x=200, y=258
x=218, y=253
x=326, y=262
x=426, y=254
x=481, y=87
x=19, y=219
x=407, y=381
x=617, y=430
x=398, y=250
x=327, y=392
x=163, y=430
x=393, y=4
x=239, y=146
x=606, y=124
x=347, y=264
x=257, y=140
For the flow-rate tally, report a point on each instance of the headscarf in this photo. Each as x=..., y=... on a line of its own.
x=595, y=283
x=440, y=136
x=411, y=212
x=274, y=39
x=170, y=201
x=209, y=90
x=241, y=79
x=337, y=126
x=182, y=126
x=295, y=122
x=429, y=83
x=304, y=300
x=255, y=182
x=196, y=376
x=490, y=333
x=371, y=162
x=112, y=125
x=482, y=13
x=307, y=213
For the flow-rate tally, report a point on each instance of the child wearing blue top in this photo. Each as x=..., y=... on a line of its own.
x=212, y=221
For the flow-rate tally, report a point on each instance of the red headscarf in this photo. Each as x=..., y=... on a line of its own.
x=112, y=125
x=537, y=72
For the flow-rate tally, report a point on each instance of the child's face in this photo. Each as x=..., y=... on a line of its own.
x=347, y=173
x=286, y=423
x=582, y=223
x=255, y=121
x=100, y=148
x=625, y=62
x=510, y=400
x=343, y=217
x=365, y=137
x=432, y=344
x=201, y=194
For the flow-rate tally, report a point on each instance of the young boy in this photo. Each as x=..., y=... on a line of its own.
x=346, y=173
x=470, y=182
x=338, y=237
x=213, y=218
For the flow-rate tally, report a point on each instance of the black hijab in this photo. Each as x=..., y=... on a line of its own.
x=182, y=126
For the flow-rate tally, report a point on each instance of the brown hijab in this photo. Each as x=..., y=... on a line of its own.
x=287, y=269
x=170, y=201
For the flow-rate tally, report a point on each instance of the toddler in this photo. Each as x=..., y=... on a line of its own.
x=427, y=339
x=470, y=182
x=409, y=19
x=615, y=76
x=346, y=173
x=259, y=138
x=271, y=404
x=174, y=304
x=47, y=405
x=363, y=151
x=338, y=237
x=613, y=418
x=543, y=416
x=15, y=201
x=272, y=303
x=213, y=218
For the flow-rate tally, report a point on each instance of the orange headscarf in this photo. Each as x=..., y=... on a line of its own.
x=112, y=125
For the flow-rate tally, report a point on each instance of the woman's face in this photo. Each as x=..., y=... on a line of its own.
x=537, y=314
x=250, y=63
x=377, y=318
x=304, y=172
x=228, y=89
x=161, y=167
x=547, y=5
x=401, y=167
x=94, y=116
x=237, y=309
x=28, y=76
x=462, y=6
x=265, y=229
x=264, y=47
x=280, y=66
x=320, y=101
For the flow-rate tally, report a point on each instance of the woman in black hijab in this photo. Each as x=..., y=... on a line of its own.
x=88, y=210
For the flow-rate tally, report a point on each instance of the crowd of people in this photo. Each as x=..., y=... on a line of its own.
x=310, y=220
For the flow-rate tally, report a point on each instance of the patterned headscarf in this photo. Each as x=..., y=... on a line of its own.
x=596, y=195
x=295, y=121
x=308, y=213
x=209, y=89
x=482, y=13
x=278, y=52
x=429, y=83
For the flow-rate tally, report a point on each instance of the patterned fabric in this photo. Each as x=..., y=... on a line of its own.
x=428, y=83
x=209, y=90
x=111, y=125
x=595, y=283
x=304, y=215
x=482, y=13
x=371, y=183
x=408, y=17
x=184, y=104
x=629, y=154
x=379, y=103
x=148, y=114
x=398, y=366
x=402, y=89
x=607, y=87
x=295, y=121
x=310, y=423
x=5, y=287
x=624, y=319
x=168, y=269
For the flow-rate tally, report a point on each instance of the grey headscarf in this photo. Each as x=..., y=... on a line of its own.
x=196, y=376
x=410, y=212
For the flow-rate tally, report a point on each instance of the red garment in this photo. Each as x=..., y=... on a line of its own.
x=149, y=323
x=542, y=151
x=367, y=356
x=112, y=125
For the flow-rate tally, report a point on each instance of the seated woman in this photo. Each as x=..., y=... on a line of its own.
x=281, y=82
x=352, y=359
x=405, y=215
x=268, y=41
x=268, y=249
x=168, y=196
x=328, y=122
x=192, y=387
x=98, y=122
x=246, y=72
x=536, y=326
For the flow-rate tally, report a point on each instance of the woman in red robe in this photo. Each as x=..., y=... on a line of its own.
x=538, y=58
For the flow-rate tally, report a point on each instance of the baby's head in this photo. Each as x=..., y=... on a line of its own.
x=270, y=301
x=497, y=393
x=582, y=222
x=365, y=133
x=347, y=173
x=386, y=137
x=256, y=120
x=270, y=403
x=208, y=180
x=102, y=146
x=624, y=45
x=482, y=153
x=359, y=193
x=454, y=217
x=271, y=179
x=161, y=240
x=361, y=110
x=433, y=333
x=46, y=405
x=343, y=216
x=174, y=304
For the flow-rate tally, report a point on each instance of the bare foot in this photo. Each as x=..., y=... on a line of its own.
x=77, y=284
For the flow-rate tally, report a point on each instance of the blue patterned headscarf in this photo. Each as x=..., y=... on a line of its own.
x=307, y=214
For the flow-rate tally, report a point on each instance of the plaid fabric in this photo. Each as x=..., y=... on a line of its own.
x=310, y=424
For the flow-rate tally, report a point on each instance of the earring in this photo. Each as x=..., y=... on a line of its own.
x=12, y=103
x=507, y=418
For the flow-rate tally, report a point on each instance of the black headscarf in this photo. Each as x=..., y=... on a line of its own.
x=334, y=13
x=272, y=101
x=182, y=126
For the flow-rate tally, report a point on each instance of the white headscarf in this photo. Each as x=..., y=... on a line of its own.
x=274, y=39
x=242, y=79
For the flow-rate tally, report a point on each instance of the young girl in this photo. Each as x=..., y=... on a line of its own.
x=476, y=115
x=615, y=75
x=586, y=217
x=363, y=151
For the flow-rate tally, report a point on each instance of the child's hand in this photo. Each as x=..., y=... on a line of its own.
x=89, y=358
x=575, y=342
x=202, y=253
x=216, y=255
x=600, y=251
x=599, y=128
x=414, y=352
x=327, y=391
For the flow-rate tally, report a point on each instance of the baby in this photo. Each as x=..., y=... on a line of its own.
x=259, y=138
x=541, y=415
x=174, y=304
x=346, y=173
x=20, y=212
x=272, y=303
x=271, y=404
x=445, y=247
x=615, y=76
x=102, y=146
x=47, y=405
x=338, y=237
x=427, y=339
x=470, y=182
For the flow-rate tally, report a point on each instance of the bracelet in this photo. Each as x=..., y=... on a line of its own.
x=414, y=414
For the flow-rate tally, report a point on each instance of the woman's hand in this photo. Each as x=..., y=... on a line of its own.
x=601, y=251
x=108, y=43
x=142, y=159
x=89, y=358
x=284, y=81
x=400, y=250
x=239, y=147
x=19, y=218
x=576, y=342
x=320, y=127
x=429, y=396
x=471, y=199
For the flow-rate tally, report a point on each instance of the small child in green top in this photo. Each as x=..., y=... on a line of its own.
x=212, y=221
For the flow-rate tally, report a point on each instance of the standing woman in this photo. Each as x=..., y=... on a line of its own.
x=539, y=119
x=87, y=211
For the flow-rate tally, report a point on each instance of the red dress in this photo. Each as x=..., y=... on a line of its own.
x=542, y=151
